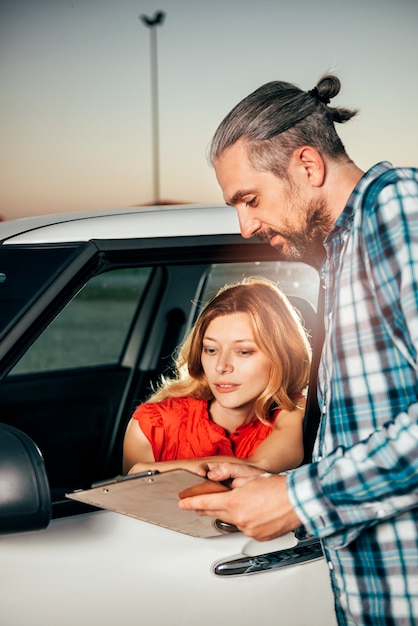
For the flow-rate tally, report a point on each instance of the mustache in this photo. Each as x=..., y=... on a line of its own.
x=267, y=235
x=295, y=246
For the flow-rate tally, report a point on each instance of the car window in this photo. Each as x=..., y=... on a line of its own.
x=20, y=287
x=294, y=278
x=300, y=282
x=92, y=328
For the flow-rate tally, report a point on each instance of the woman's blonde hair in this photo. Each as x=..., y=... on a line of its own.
x=278, y=331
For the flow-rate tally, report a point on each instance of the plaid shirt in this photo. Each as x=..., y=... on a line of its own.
x=360, y=494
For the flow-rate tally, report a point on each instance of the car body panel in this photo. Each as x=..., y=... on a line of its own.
x=139, y=222
x=137, y=573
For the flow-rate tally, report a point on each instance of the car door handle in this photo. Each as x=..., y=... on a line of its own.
x=303, y=552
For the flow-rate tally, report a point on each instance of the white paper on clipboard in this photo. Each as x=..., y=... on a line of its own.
x=153, y=497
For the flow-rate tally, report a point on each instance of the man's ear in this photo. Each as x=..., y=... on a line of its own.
x=310, y=165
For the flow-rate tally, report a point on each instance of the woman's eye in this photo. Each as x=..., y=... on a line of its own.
x=209, y=350
x=252, y=202
x=246, y=352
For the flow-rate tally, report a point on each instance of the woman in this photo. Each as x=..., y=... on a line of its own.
x=237, y=392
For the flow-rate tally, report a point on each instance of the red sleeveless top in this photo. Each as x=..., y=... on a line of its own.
x=180, y=428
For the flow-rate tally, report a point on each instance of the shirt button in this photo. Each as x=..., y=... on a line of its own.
x=330, y=566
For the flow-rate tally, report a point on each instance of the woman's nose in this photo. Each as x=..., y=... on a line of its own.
x=223, y=366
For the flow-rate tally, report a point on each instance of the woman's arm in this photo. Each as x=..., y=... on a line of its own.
x=283, y=448
x=198, y=466
x=136, y=446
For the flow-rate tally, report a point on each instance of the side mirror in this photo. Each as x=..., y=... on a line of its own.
x=25, y=498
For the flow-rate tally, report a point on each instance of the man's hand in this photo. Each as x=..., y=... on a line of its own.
x=236, y=474
x=258, y=504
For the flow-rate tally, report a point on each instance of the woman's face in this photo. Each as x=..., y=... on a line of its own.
x=236, y=369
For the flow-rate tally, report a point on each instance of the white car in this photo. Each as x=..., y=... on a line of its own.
x=92, y=307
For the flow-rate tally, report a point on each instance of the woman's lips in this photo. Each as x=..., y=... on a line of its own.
x=225, y=387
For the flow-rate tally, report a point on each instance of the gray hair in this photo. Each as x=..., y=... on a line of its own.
x=277, y=118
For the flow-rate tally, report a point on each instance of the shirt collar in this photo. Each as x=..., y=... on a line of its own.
x=345, y=218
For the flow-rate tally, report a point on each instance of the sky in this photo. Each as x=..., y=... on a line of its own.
x=75, y=97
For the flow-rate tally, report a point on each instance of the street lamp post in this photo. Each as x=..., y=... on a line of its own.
x=152, y=23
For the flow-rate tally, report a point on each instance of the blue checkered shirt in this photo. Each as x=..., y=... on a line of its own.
x=360, y=493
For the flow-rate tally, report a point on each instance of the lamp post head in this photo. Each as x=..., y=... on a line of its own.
x=156, y=20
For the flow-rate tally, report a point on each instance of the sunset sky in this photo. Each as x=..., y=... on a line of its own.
x=75, y=89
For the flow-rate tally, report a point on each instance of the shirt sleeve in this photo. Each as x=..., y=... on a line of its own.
x=377, y=478
x=149, y=418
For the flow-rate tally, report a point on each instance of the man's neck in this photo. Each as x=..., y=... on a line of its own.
x=342, y=178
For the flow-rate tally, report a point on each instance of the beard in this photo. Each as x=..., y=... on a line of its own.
x=305, y=242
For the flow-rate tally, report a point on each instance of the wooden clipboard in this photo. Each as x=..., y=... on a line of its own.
x=153, y=496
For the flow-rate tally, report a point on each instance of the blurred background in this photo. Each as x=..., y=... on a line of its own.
x=76, y=81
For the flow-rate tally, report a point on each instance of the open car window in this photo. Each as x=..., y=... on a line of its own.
x=294, y=278
x=300, y=282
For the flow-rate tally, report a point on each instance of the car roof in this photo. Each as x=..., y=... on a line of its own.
x=128, y=223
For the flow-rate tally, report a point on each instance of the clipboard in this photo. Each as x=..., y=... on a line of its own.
x=153, y=496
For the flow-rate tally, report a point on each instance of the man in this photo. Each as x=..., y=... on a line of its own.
x=280, y=162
